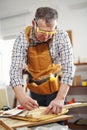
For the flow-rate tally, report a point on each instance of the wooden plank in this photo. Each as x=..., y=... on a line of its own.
x=14, y=123
x=4, y=125
x=75, y=105
x=38, y=114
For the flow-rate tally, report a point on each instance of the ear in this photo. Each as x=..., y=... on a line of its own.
x=33, y=23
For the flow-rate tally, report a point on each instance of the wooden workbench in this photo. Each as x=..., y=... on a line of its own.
x=12, y=124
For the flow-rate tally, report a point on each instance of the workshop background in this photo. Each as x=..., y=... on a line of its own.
x=15, y=15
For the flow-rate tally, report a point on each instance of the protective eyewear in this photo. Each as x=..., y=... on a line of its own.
x=46, y=32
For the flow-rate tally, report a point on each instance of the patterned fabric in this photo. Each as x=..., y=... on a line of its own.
x=60, y=50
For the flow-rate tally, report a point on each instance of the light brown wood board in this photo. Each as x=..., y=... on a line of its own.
x=16, y=123
x=38, y=114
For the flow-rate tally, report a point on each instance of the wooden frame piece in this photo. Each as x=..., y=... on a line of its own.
x=5, y=126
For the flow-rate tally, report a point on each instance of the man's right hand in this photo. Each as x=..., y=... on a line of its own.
x=27, y=102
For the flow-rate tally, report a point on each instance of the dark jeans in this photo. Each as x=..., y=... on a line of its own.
x=44, y=100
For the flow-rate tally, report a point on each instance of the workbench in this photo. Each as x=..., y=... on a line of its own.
x=12, y=124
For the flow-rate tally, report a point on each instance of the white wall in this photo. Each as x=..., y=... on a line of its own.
x=76, y=20
x=15, y=15
x=5, y=61
x=0, y=31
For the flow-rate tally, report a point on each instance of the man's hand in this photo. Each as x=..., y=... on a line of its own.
x=55, y=106
x=27, y=102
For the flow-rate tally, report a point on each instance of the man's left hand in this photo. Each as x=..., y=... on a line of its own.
x=55, y=107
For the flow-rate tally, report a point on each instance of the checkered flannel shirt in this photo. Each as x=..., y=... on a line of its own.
x=60, y=50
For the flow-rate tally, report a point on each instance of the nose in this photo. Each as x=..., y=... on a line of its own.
x=47, y=36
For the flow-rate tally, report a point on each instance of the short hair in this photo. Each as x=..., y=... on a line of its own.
x=46, y=13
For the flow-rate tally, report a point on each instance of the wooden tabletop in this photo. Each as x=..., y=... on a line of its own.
x=12, y=124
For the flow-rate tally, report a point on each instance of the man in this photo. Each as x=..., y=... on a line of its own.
x=43, y=47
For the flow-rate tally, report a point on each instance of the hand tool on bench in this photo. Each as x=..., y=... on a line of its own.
x=12, y=112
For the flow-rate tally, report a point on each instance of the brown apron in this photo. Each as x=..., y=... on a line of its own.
x=40, y=66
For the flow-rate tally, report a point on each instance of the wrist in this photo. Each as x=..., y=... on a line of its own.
x=62, y=92
x=19, y=92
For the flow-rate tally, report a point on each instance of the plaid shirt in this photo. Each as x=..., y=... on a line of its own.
x=60, y=50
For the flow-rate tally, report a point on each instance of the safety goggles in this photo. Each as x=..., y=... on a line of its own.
x=45, y=32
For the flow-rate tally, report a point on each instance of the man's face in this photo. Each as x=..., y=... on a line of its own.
x=44, y=31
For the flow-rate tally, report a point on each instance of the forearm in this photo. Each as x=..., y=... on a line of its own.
x=62, y=93
x=19, y=92
x=26, y=101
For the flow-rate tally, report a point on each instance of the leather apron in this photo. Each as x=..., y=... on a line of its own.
x=40, y=67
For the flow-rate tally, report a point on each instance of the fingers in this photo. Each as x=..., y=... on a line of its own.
x=33, y=102
x=53, y=109
x=29, y=104
x=48, y=110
